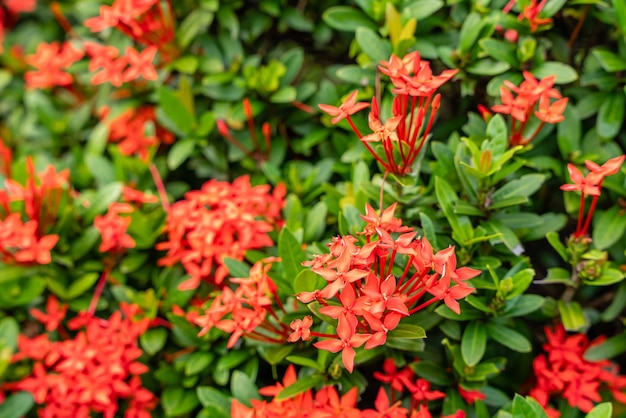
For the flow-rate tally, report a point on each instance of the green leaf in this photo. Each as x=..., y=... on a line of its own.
x=243, y=388
x=472, y=25
x=527, y=407
x=461, y=227
x=610, y=61
x=292, y=60
x=508, y=337
x=620, y=15
x=487, y=66
x=216, y=401
x=611, y=115
x=500, y=51
x=178, y=401
x=407, y=331
x=180, y=151
x=607, y=349
x=153, y=340
x=175, y=110
x=315, y=223
x=554, y=240
x=198, y=362
x=473, y=343
x=300, y=386
x=563, y=72
x=522, y=305
x=433, y=372
x=237, y=269
x=617, y=305
x=81, y=285
x=571, y=315
x=17, y=405
x=504, y=235
x=609, y=276
x=608, y=228
x=286, y=94
x=569, y=133
x=291, y=254
x=106, y=195
x=429, y=229
x=305, y=362
x=277, y=353
x=522, y=187
x=521, y=280
x=347, y=19
x=468, y=313
x=372, y=45
x=308, y=281
x=603, y=410
x=421, y=9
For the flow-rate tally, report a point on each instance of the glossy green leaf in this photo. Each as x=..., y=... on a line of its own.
x=291, y=254
x=525, y=186
x=617, y=305
x=17, y=405
x=569, y=132
x=508, y=337
x=178, y=401
x=243, y=388
x=180, y=151
x=372, y=44
x=198, y=362
x=607, y=349
x=603, y=410
x=305, y=362
x=421, y=9
x=527, y=407
x=175, y=110
x=470, y=30
x=474, y=343
x=620, y=15
x=462, y=229
x=407, y=331
x=277, y=353
x=571, y=315
x=308, y=281
x=300, y=386
x=488, y=67
x=564, y=73
x=500, y=51
x=609, y=60
x=216, y=401
x=609, y=227
x=611, y=115
x=237, y=269
x=522, y=305
x=348, y=19
x=153, y=340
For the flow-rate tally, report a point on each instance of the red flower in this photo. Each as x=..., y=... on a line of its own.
x=348, y=340
x=92, y=373
x=53, y=315
x=51, y=61
x=140, y=64
x=347, y=108
x=301, y=329
x=113, y=229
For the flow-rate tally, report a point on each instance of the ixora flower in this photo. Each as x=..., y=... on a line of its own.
x=563, y=372
x=220, y=220
x=590, y=185
x=27, y=242
x=51, y=61
x=95, y=371
x=415, y=105
x=530, y=92
x=373, y=298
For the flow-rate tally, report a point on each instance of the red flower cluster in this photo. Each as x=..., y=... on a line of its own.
x=220, y=220
x=530, y=92
x=147, y=22
x=374, y=297
x=325, y=403
x=27, y=241
x=129, y=131
x=51, y=61
x=248, y=310
x=590, y=185
x=115, y=69
x=90, y=373
x=113, y=229
x=414, y=108
x=563, y=372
